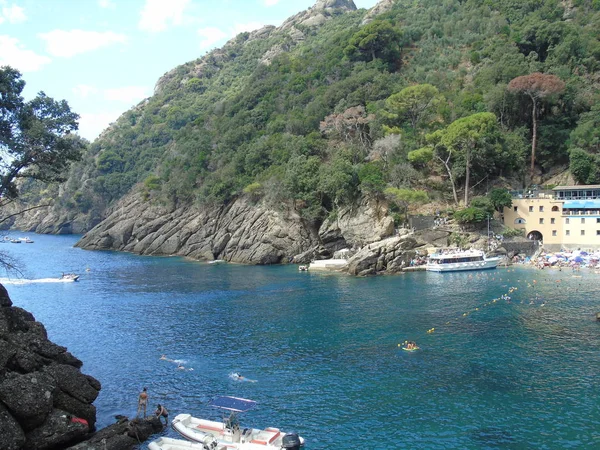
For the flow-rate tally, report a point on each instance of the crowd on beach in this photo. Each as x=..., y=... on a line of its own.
x=564, y=259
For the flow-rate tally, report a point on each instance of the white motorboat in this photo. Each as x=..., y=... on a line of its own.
x=69, y=277
x=227, y=431
x=166, y=443
x=454, y=260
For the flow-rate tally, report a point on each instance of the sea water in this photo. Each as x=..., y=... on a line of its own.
x=491, y=372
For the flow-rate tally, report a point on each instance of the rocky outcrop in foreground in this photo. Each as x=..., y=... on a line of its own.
x=45, y=400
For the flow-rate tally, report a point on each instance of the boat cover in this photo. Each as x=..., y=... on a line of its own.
x=233, y=404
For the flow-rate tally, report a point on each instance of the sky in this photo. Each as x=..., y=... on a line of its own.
x=105, y=56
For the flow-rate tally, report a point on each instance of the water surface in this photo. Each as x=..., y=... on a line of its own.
x=324, y=348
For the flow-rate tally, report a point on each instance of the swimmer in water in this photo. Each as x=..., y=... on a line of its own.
x=237, y=376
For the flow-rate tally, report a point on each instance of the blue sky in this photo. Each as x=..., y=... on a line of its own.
x=104, y=56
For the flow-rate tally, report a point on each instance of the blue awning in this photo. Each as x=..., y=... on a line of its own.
x=233, y=404
x=581, y=204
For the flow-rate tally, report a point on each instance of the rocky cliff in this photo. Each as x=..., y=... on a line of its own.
x=241, y=232
x=45, y=400
x=46, y=403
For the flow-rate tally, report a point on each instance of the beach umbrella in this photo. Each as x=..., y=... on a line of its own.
x=577, y=259
x=552, y=259
x=583, y=253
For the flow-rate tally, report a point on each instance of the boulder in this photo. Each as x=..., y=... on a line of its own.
x=28, y=397
x=43, y=394
x=58, y=429
x=13, y=437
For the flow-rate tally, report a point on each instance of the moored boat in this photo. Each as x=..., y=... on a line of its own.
x=227, y=432
x=166, y=443
x=454, y=260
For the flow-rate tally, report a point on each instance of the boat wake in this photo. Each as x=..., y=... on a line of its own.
x=39, y=280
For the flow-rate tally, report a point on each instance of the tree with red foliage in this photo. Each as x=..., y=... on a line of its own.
x=536, y=86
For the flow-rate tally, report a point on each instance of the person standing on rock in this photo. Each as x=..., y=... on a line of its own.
x=142, y=402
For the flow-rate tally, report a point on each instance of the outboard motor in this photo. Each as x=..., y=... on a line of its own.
x=291, y=441
x=209, y=442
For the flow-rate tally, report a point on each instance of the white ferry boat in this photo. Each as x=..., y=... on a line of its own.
x=458, y=260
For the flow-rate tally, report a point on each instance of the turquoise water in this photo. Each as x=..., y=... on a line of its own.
x=324, y=348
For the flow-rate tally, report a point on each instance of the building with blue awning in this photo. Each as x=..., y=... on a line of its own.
x=566, y=217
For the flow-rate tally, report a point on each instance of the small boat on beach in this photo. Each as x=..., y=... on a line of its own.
x=455, y=260
x=217, y=261
x=227, y=432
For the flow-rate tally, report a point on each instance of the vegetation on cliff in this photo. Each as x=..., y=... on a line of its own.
x=443, y=97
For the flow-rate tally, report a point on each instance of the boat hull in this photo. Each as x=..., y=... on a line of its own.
x=198, y=430
x=490, y=263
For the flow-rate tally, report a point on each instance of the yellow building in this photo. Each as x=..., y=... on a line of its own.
x=567, y=217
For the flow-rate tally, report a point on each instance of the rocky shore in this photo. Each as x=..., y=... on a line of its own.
x=46, y=402
x=241, y=232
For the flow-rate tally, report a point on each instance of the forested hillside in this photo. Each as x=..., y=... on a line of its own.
x=415, y=104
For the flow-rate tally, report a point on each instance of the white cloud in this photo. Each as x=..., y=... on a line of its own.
x=157, y=14
x=127, y=94
x=107, y=4
x=13, y=54
x=84, y=90
x=92, y=124
x=271, y=2
x=70, y=43
x=210, y=36
x=13, y=13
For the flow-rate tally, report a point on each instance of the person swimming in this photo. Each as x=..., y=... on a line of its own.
x=239, y=377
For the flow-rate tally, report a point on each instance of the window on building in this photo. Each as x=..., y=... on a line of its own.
x=598, y=220
x=597, y=232
x=514, y=208
x=541, y=209
x=541, y=221
x=553, y=232
x=583, y=232
x=567, y=221
x=582, y=220
x=531, y=209
x=552, y=220
x=567, y=233
x=555, y=208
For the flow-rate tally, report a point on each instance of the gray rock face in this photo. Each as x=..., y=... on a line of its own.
x=36, y=376
x=241, y=232
x=365, y=223
x=381, y=7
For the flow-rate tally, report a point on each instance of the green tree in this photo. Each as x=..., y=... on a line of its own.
x=338, y=180
x=536, y=86
x=412, y=103
x=583, y=166
x=467, y=135
x=371, y=178
x=35, y=136
x=470, y=216
x=405, y=198
x=378, y=39
x=587, y=133
x=500, y=198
